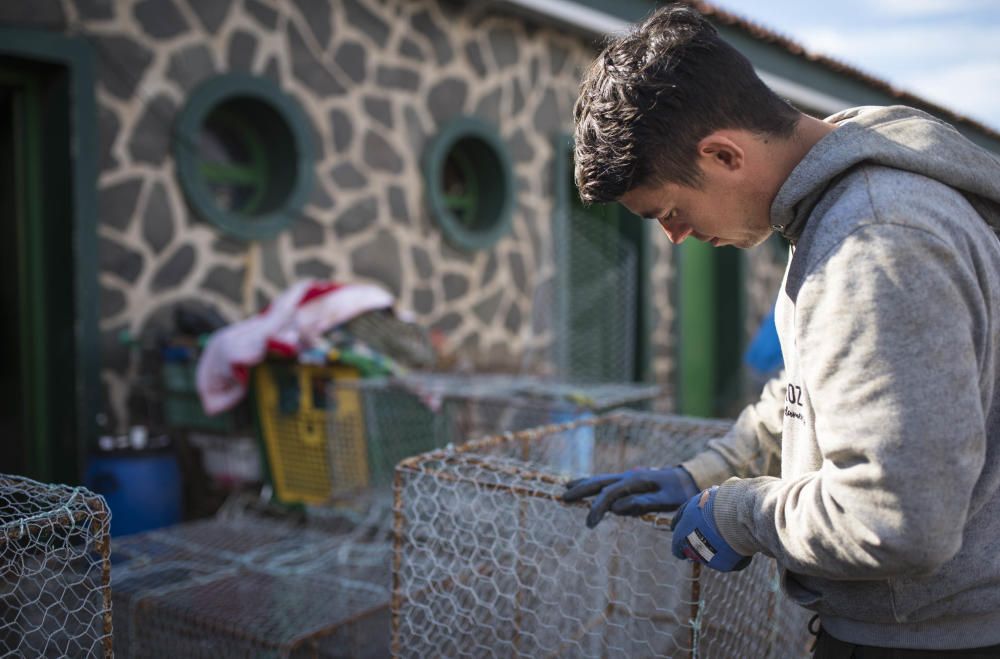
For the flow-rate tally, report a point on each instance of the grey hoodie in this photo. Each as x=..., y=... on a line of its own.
x=886, y=517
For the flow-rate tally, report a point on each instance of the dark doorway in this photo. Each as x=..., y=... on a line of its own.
x=37, y=353
x=12, y=458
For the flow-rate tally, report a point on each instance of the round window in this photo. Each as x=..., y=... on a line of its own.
x=470, y=184
x=242, y=155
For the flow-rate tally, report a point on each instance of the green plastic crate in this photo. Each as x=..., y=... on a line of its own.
x=181, y=405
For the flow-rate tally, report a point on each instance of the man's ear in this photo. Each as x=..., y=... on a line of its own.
x=720, y=149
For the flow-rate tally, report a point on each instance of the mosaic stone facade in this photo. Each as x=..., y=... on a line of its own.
x=376, y=79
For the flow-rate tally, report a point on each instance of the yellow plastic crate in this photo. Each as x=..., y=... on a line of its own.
x=294, y=409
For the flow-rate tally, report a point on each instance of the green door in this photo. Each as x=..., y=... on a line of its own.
x=710, y=317
x=603, y=287
x=37, y=355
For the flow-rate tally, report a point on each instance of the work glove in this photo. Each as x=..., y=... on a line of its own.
x=632, y=493
x=697, y=538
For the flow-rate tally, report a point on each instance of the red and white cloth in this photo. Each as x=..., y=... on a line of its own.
x=293, y=322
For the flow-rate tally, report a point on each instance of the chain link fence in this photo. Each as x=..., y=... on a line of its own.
x=490, y=562
x=55, y=596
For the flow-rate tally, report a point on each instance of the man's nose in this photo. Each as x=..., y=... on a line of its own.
x=676, y=231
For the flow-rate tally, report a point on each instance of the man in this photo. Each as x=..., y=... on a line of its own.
x=886, y=516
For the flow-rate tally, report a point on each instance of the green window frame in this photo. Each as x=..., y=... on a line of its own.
x=470, y=183
x=270, y=181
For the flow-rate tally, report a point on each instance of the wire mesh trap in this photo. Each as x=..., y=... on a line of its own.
x=55, y=597
x=245, y=584
x=489, y=562
x=416, y=413
x=249, y=584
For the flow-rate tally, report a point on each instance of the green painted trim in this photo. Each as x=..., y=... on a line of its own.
x=76, y=55
x=497, y=194
x=696, y=329
x=200, y=104
x=219, y=173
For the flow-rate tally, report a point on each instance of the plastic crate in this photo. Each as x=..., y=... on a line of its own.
x=181, y=405
x=295, y=413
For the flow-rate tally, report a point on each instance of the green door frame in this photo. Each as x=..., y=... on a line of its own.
x=74, y=55
x=31, y=310
x=633, y=229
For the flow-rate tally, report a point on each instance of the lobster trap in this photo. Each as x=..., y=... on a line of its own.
x=416, y=413
x=251, y=585
x=55, y=596
x=489, y=561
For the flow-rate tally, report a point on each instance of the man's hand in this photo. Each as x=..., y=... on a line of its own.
x=632, y=493
x=697, y=538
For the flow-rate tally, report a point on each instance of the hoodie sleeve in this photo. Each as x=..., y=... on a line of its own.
x=886, y=335
x=751, y=448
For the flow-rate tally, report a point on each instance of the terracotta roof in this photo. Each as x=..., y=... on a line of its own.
x=767, y=35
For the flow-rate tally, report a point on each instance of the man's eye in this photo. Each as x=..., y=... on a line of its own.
x=668, y=216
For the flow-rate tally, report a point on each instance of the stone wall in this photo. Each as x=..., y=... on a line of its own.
x=377, y=79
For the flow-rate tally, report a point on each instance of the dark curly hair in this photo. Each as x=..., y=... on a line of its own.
x=654, y=93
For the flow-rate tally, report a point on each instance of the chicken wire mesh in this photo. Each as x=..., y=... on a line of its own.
x=420, y=412
x=252, y=584
x=490, y=562
x=55, y=598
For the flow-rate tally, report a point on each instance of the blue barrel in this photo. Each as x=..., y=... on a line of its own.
x=142, y=488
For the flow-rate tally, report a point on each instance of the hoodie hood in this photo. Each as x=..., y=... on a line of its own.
x=894, y=136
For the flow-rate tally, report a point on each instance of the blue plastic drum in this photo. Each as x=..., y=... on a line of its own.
x=142, y=488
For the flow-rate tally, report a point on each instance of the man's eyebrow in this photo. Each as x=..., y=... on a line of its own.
x=648, y=214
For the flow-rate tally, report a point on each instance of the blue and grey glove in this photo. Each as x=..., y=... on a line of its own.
x=632, y=493
x=697, y=538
